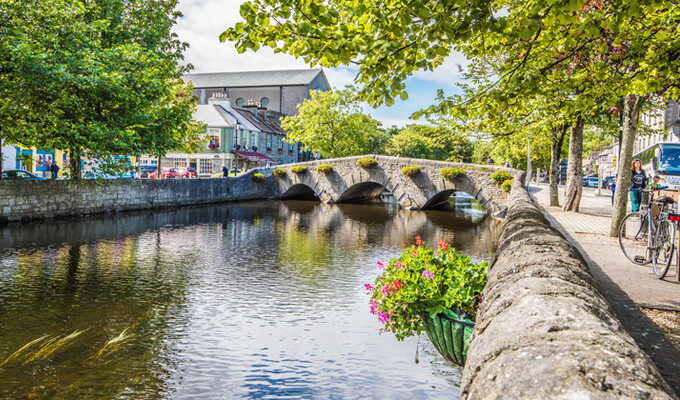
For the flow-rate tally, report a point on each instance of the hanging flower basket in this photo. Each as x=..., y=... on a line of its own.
x=279, y=172
x=411, y=170
x=450, y=332
x=366, y=162
x=257, y=177
x=299, y=169
x=451, y=173
x=438, y=292
x=324, y=168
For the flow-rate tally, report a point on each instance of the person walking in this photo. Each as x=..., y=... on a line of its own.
x=55, y=170
x=507, y=163
x=637, y=183
x=613, y=188
x=490, y=161
x=225, y=171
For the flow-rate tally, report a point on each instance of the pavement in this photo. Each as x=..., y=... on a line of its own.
x=590, y=229
x=627, y=286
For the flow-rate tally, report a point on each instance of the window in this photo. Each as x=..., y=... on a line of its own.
x=204, y=166
x=264, y=102
x=179, y=162
x=213, y=138
x=280, y=142
x=269, y=141
x=239, y=102
x=291, y=146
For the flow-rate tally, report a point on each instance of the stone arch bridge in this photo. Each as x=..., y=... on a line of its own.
x=348, y=182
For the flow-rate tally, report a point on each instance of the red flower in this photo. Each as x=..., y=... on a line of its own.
x=396, y=284
x=418, y=241
x=414, y=252
x=443, y=245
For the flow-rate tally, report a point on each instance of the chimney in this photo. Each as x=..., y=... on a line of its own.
x=262, y=111
x=251, y=106
x=219, y=99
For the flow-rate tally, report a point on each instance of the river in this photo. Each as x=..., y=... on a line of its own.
x=243, y=300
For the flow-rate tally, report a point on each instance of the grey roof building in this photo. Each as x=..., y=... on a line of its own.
x=280, y=91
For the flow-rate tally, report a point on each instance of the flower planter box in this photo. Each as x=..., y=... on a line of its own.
x=450, y=334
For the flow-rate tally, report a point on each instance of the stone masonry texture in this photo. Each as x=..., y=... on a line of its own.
x=544, y=329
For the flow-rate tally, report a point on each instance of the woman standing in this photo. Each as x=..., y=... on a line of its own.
x=638, y=182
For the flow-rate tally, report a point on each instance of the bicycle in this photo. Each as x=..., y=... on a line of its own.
x=648, y=236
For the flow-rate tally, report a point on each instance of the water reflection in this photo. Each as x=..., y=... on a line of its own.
x=260, y=300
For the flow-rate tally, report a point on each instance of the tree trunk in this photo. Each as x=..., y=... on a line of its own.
x=0, y=158
x=555, y=153
x=574, y=187
x=74, y=164
x=631, y=112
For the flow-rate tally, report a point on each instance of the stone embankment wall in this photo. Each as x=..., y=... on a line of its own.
x=544, y=330
x=25, y=200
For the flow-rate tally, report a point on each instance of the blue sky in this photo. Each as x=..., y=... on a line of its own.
x=204, y=20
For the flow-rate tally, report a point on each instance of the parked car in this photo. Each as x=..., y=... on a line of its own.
x=188, y=172
x=586, y=179
x=166, y=173
x=20, y=175
x=592, y=181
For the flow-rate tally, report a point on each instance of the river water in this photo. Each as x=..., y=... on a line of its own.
x=247, y=300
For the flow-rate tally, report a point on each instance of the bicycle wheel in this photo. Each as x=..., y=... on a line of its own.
x=634, y=238
x=664, y=246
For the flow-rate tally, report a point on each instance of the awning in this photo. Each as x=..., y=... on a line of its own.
x=253, y=156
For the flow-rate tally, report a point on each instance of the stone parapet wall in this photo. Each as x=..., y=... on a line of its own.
x=544, y=329
x=25, y=200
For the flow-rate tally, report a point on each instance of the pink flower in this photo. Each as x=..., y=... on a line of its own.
x=385, y=289
x=443, y=245
x=383, y=317
x=418, y=241
x=368, y=286
x=380, y=265
x=374, y=307
x=414, y=252
x=399, y=266
x=428, y=274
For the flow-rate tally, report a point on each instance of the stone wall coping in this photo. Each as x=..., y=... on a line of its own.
x=544, y=329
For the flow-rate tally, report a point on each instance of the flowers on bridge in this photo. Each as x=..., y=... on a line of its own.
x=257, y=177
x=503, y=179
x=299, y=169
x=411, y=170
x=366, y=162
x=324, y=168
x=279, y=172
x=421, y=283
x=451, y=173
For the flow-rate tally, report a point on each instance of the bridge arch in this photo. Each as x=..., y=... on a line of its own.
x=299, y=191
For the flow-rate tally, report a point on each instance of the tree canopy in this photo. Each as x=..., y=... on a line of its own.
x=96, y=78
x=332, y=124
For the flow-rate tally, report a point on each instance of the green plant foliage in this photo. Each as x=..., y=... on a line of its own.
x=438, y=142
x=506, y=185
x=451, y=173
x=500, y=176
x=299, y=169
x=257, y=177
x=367, y=162
x=279, y=172
x=423, y=282
x=332, y=124
x=485, y=169
x=95, y=78
x=324, y=168
x=411, y=170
